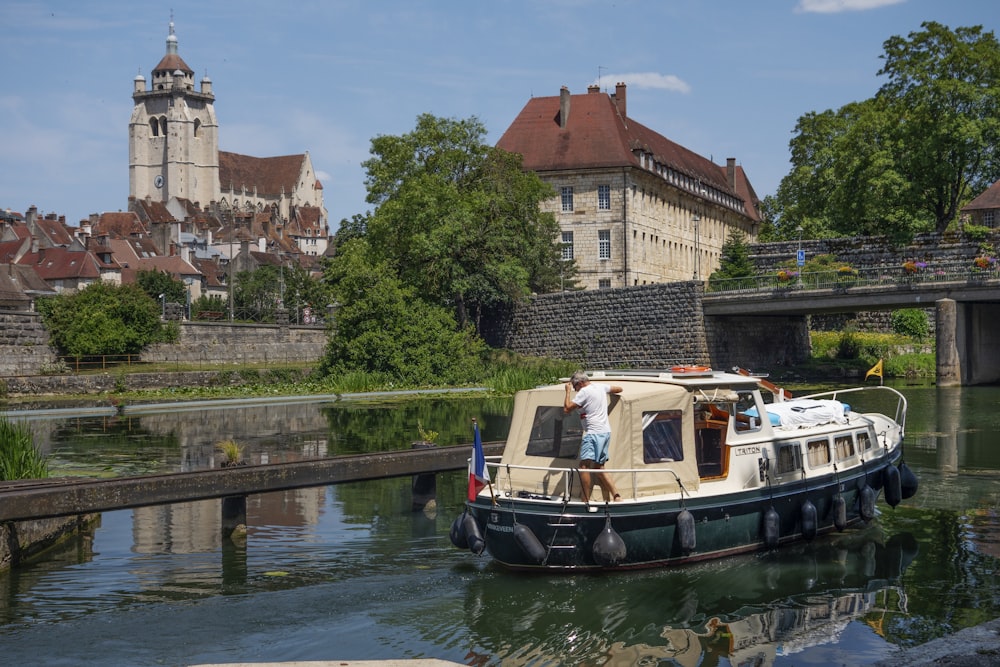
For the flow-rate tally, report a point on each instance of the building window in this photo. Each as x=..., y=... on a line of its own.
x=567, y=198
x=604, y=197
x=604, y=283
x=567, y=246
x=988, y=218
x=604, y=244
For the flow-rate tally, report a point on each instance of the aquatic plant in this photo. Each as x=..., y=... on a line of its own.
x=19, y=458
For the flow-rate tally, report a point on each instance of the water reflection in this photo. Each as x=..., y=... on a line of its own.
x=746, y=610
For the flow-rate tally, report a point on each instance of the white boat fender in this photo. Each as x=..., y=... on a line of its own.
x=686, y=532
x=772, y=523
x=866, y=502
x=472, y=533
x=893, y=490
x=609, y=547
x=457, y=532
x=529, y=544
x=839, y=512
x=808, y=511
x=907, y=481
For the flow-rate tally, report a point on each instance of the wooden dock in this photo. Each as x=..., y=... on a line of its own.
x=37, y=499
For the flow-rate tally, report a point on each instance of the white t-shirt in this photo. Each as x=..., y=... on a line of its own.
x=593, y=402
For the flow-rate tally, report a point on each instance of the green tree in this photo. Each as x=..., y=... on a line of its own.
x=383, y=326
x=944, y=95
x=104, y=318
x=459, y=220
x=735, y=259
x=154, y=283
x=906, y=160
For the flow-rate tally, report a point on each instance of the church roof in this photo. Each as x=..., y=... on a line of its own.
x=171, y=63
x=270, y=175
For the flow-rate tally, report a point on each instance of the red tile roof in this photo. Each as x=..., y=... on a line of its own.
x=597, y=136
x=61, y=263
x=118, y=225
x=990, y=199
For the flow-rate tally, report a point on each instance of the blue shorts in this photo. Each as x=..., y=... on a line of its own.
x=594, y=447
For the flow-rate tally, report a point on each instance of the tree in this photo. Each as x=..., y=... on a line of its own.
x=459, y=220
x=154, y=283
x=384, y=327
x=905, y=160
x=104, y=318
x=734, y=261
x=944, y=92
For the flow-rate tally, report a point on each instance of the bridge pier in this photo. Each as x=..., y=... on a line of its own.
x=234, y=516
x=949, y=359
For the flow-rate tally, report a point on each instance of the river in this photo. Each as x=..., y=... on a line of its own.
x=350, y=572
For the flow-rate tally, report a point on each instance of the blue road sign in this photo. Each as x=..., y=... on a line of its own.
x=801, y=258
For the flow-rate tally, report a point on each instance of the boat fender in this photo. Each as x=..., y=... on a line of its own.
x=457, y=532
x=866, y=502
x=686, y=532
x=473, y=534
x=529, y=544
x=772, y=522
x=609, y=547
x=907, y=482
x=893, y=490
x=839, y=512
x=808, y=520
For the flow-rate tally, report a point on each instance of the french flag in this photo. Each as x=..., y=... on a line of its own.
x=479, y=476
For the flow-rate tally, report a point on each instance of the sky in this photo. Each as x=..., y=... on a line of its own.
x=724, y=78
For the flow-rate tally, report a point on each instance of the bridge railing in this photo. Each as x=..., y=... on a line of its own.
x=842, y=280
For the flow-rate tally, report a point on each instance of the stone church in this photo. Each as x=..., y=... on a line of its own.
x=174, y=157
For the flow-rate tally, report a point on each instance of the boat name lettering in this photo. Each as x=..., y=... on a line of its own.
x=499, y=528
x=745, y=451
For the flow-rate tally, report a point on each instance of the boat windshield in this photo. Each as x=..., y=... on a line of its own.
x=555, y=434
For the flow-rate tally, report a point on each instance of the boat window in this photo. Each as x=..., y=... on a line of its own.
x=555, y=434
x=661, y=436
x=789, y=458
x=864, y=442
x=819, y=452
x=744, y=421
x=844, y=444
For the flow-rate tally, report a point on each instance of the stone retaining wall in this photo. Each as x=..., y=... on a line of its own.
x=642, y=326
x=24, y=344
x=205, y=342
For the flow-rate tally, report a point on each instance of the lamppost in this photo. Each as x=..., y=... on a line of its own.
x=697, y=259
x=163, y=306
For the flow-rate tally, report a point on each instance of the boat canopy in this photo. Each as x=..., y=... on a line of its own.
x=649, y=421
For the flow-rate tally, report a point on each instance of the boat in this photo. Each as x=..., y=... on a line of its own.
x=707, y=464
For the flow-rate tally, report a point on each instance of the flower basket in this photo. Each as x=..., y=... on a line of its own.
x=984, y=263
x=787, y=278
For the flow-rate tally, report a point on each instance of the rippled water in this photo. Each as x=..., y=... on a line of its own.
x=350, y=572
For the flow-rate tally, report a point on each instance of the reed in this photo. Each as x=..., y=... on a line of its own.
x=19, y=458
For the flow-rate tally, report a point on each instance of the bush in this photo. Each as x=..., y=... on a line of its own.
x=911, y=322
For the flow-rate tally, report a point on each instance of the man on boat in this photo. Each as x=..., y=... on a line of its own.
x=592, y=401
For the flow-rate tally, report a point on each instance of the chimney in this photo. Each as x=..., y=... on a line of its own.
x=731, y=172
x=563, y=107
x=620, y=98
x=593, y=88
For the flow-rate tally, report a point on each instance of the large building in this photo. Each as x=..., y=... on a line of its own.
x=174, y=158
x=634, y=207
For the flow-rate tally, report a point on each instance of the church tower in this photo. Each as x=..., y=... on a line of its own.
x=173, y=147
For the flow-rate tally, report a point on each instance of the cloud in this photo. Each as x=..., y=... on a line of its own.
x=648, y=80
x=837, y=6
